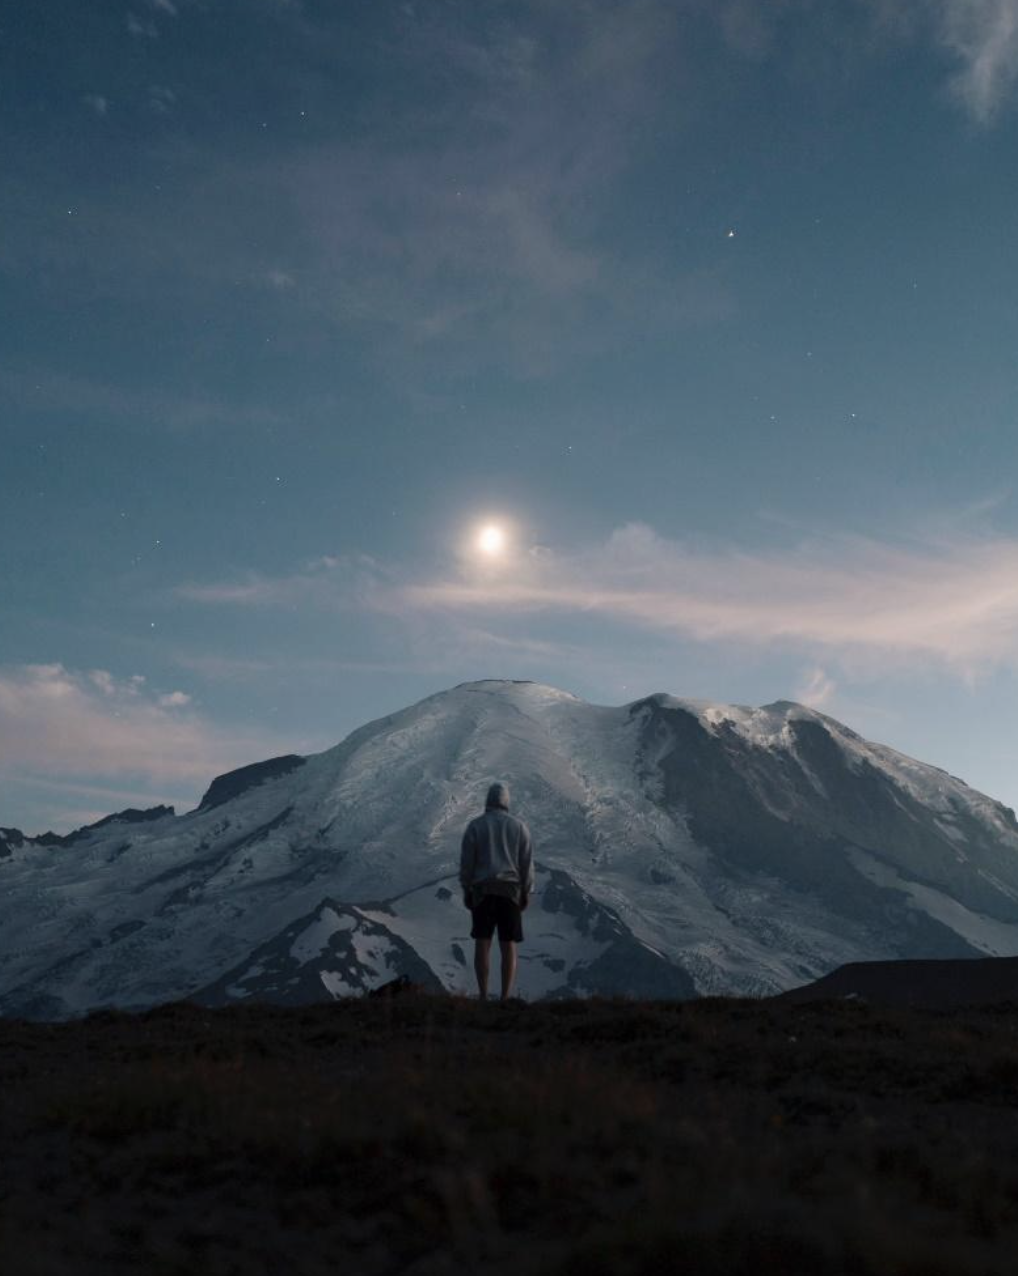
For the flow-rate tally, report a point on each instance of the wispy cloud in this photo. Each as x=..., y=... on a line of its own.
x=142, y=28
x=983, y=35
x=281, y=280
x=33, y=390
x=96, y=102
x=816, y=688
x=490, y=230
x=161, y=99
x=331, y=582
x=472, y=211
x=107, y=733
x=294, y=668
x=222, y=668
x=953, y=602
x=58, y=804
x=980, y=36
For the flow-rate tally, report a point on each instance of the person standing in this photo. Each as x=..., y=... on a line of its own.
x=497, y=877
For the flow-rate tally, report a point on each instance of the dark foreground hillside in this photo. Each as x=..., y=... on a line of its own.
x=929, y=985
x=435, y=1135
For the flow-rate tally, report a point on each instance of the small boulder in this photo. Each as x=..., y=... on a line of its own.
x=398, y=987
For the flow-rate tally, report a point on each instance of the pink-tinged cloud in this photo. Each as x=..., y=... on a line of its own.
x=100, y=729
x=954, y=603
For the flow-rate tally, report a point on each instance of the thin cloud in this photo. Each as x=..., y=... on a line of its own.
x=816, y=689
x=329, y=583
x=980, y=36
x=38, y=390
x=174, y=700
x=281, y=280
x=951, y=603
x=98, y=729
x=488, y=227
x=142, y=28
x=223, y=668
x=96, y=102
x=297, y=668
x=59, y=804
x=481, y=642
x=161, y=100
x=983, y=35
x=492, y=232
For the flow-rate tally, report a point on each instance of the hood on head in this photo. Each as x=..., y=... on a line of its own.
x=498, y=796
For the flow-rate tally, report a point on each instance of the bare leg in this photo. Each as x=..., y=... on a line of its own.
x=508, y=948
x=482, y=964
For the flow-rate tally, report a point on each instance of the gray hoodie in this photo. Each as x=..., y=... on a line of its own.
x=497, y=849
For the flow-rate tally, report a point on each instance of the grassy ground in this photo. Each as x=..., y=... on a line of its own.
x=436, y=1135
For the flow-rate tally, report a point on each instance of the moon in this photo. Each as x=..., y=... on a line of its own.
x=491, y=540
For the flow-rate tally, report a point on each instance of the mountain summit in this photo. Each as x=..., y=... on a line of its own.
x=683, y=847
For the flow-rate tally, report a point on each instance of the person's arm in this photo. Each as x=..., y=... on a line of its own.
x=526, y=867
x=467, y=857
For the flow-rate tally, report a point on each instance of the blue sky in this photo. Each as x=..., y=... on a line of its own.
x=709, y=306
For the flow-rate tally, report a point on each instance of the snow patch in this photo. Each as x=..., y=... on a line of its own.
x=990, y=936
x=315, y=940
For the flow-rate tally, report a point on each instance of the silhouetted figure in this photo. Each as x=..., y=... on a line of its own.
x=497, y=876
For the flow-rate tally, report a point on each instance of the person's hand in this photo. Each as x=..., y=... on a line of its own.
x=523, y=903
x=466, y=899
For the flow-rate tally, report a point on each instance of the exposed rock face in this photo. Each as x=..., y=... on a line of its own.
x=10, y=838
x=336, y=951
x=231, y=785
x=683, y=848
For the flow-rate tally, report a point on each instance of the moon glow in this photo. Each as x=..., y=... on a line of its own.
x=491, y=540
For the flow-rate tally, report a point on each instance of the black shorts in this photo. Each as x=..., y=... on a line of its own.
x=500, y=911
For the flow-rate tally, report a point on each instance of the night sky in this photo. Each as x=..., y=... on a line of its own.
x=706, y=310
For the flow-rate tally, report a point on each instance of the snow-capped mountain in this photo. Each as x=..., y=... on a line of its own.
x=683, y=847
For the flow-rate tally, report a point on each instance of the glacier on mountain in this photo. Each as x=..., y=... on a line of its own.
x=683, y=848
